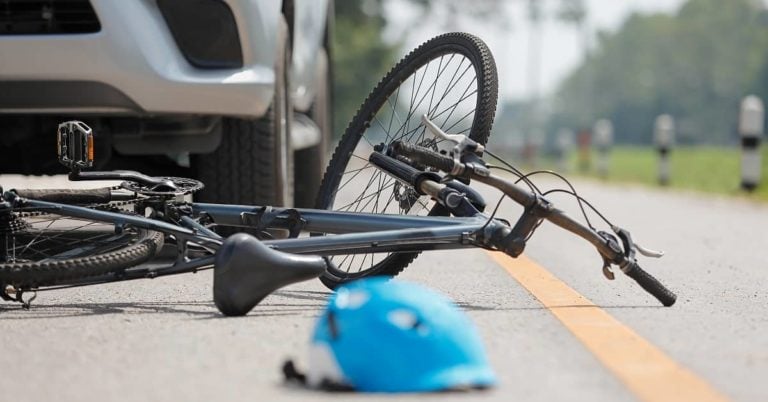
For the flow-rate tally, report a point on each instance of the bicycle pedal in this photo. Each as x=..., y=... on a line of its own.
x=75, y=145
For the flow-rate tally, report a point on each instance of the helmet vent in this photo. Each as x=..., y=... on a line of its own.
x=407, y=320
x=351, y=299
x=333, y=327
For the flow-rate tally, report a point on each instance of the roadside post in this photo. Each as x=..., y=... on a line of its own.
x=564, y=143
x=603, y=141
x=533, y=143
x=664, y=138
x=751, y=131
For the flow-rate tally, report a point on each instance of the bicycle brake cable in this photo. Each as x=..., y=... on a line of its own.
x=514, y=171
x=573, y=191
x=582, y=199
x=525, y=178
x=498, y=204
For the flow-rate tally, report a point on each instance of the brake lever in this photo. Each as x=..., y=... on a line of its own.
x=630, y=246
x=648, y=252
x=461, y=141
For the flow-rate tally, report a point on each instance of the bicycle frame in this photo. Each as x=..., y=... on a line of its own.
x=356, y=233
x=353, y=233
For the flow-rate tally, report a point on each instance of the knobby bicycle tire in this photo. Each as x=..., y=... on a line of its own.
x=441, y=50
x=112, y=254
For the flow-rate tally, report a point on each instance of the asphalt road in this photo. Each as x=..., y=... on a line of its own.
x=163, y=339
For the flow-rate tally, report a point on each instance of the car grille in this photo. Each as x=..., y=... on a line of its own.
x=36, y=17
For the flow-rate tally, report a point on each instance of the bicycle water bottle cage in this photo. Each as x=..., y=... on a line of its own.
x=75, y=145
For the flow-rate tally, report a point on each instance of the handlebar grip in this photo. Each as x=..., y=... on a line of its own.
x=651, y=285
x=403, y=171
x=424, y=156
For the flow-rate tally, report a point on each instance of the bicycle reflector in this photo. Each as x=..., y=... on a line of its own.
x=75, y=145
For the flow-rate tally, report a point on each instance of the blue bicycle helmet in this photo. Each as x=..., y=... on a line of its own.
x=382, y=336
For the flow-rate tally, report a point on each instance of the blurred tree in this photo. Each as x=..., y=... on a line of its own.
x=360, y=56
x=695, y=65
x=450, y=13
x=762, y=83
x=572, y=12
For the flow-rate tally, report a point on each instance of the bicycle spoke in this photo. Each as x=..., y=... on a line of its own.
x=351, y=178
x=60, y=243
x=363, y=208
x=378, y=195
x=367, y=186
x=453, y=107
x=359, y=199
x=394, y=111
x=450, y=129
x=434, y=116
x=48, y=238
x=413, y=107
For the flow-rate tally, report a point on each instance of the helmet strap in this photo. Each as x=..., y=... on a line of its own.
x=293, y=375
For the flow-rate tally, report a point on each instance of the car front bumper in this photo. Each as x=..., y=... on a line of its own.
x=133, y=66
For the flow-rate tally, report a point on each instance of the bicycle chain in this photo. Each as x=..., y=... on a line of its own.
x=10, y=224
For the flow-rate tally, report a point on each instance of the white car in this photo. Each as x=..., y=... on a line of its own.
x=237, y=90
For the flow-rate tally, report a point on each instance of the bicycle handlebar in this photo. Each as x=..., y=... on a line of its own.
x=527, y=198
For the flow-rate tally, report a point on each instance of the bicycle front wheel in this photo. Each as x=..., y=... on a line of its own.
x=39, y=248
x=451, y=79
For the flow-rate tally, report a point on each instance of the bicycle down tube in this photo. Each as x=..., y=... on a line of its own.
x=356, y=233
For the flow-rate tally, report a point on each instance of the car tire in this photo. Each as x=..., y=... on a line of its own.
x=253, y=164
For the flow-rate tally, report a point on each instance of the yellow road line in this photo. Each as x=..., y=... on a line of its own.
x=642, y=367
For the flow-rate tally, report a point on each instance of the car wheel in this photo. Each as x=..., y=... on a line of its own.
x=253, y=164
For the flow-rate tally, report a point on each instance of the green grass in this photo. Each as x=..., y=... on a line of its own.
x=707, y=169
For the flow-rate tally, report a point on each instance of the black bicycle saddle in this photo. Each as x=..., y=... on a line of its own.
x=246, y=271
